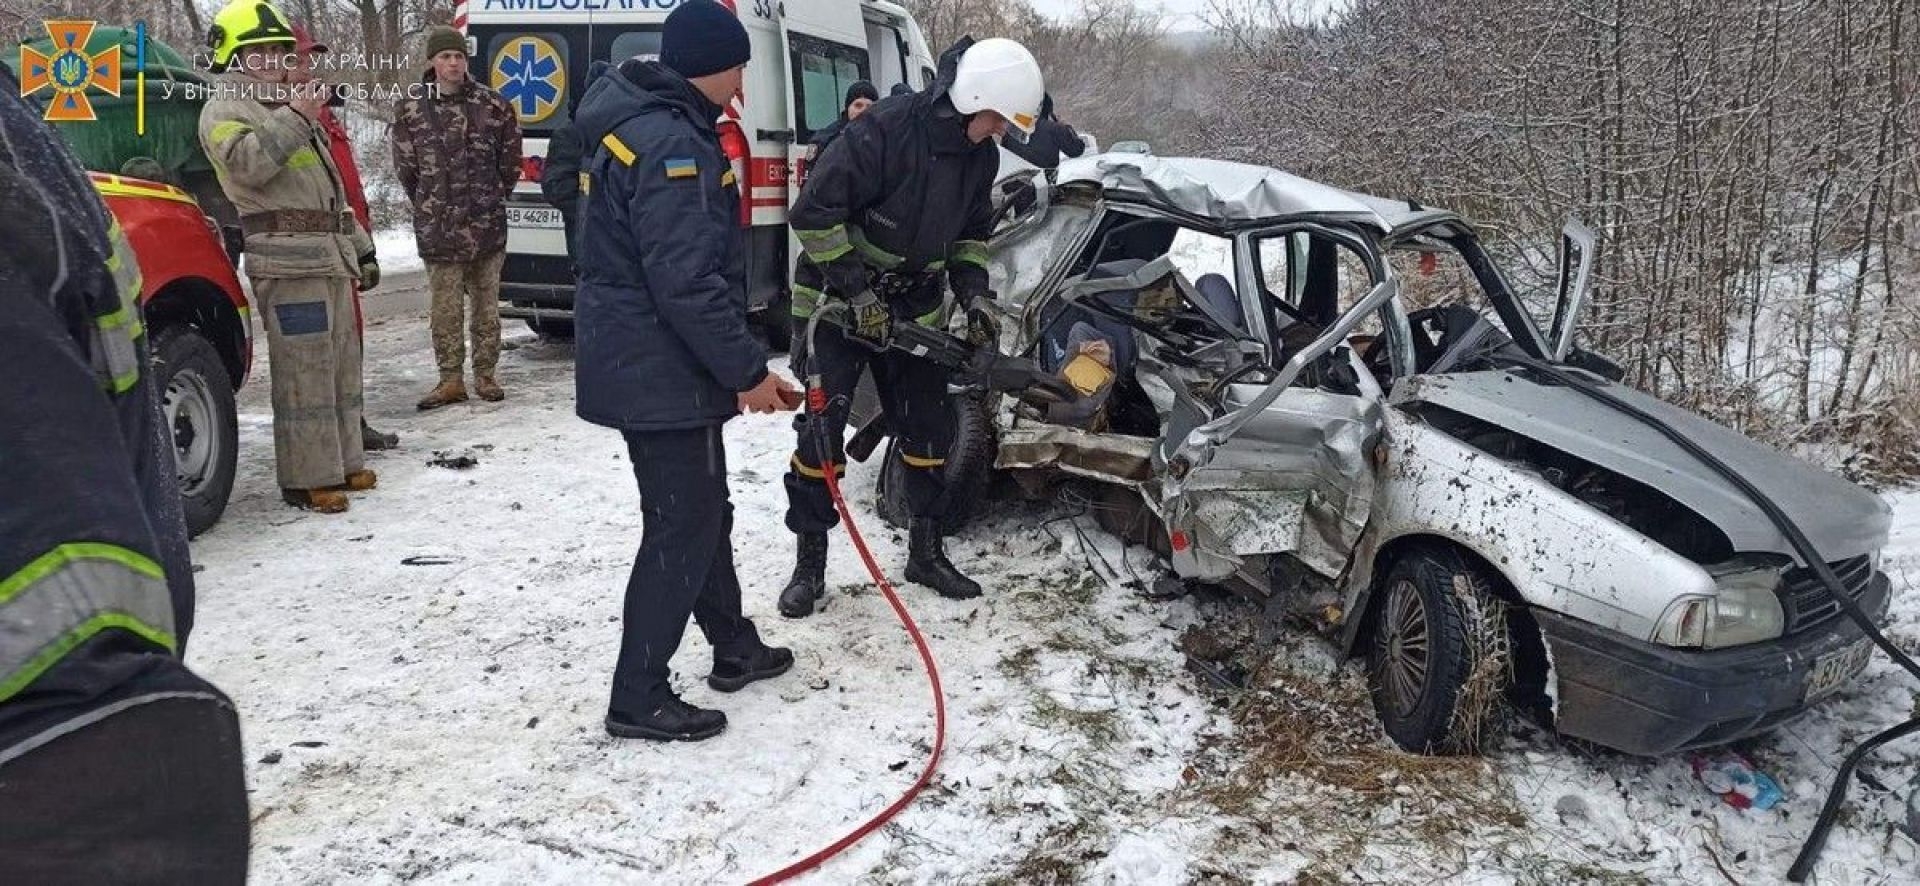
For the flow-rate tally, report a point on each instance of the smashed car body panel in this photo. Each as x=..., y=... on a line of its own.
x=1305, y=457
x=1841, y=518
x=1218, y=189
x=1557, y=552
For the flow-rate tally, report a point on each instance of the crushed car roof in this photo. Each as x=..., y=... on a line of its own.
x=1234, y=192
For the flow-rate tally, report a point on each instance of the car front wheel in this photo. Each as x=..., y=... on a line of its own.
x=196, y=402
x=1438, y=660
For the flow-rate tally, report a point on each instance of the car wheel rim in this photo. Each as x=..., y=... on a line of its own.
x=188, y=407
x=1403, y=634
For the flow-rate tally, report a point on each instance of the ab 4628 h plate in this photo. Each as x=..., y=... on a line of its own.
x=1833, y=670
x=534, y=217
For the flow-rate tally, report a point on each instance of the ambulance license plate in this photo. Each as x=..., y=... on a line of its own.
x=1833, y=670
x=534, y=217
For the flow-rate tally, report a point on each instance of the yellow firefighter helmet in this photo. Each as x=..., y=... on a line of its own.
x=246, y=23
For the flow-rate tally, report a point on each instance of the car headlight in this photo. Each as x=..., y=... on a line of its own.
x=1745, y=609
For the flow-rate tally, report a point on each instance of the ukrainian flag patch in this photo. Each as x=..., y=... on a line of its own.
x=682, y=167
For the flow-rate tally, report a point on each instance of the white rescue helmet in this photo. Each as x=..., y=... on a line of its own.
x=999, y=75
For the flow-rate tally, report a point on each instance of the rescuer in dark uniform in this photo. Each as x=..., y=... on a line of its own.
x=117, y=763
x=664, y=356
x=897, y=206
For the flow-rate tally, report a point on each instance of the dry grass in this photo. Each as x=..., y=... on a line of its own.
x=1307, y=771
x=1481, y=706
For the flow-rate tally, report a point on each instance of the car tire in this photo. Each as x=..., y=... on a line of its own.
x=1438, y=659
x=969, y=469
x=196, y=402
x=551, y=329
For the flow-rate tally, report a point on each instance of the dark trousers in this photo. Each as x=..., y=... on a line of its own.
x=685, y=563
x=154, y=793
x=914, y=394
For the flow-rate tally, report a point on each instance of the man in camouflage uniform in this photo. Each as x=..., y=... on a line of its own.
x=456, y=148
x=304, y=249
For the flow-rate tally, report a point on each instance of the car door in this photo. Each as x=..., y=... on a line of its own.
x=1576, y=273
x=1279, y=461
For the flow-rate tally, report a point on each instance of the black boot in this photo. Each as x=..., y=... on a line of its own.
x=927, y=563
x=670, y=720
x=809, y=581
x=376, y=441
x=733, y=674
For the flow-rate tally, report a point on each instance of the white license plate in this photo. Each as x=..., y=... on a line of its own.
x=1833, y=670
x=534, y=217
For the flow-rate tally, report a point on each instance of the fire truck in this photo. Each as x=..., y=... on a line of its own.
x=199, y=328
x=806, y=53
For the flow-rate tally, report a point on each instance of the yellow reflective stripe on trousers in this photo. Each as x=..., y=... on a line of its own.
x=824, y=246
x=914, y=461
x=806, y=300
x=969, y=252
x=114, y=352
x=70, y=594
x=801, y=468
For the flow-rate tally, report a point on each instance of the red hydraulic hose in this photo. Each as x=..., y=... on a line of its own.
x=817, y=404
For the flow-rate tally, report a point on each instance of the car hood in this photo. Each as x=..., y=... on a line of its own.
x=1841, y=519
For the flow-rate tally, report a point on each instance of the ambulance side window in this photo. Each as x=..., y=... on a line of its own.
x=822, y=71
x=888, y=53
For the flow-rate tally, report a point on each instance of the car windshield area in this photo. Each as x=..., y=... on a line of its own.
x=1453, y=293
x=1309, y=279
x=1160, y=300
x=1151, y=282
x=1147, y=295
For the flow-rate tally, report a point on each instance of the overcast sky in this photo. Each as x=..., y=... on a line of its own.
x=1182, y=14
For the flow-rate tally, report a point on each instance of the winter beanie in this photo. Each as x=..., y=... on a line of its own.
x=860, y=89
x=441, y=39
x=701, y=37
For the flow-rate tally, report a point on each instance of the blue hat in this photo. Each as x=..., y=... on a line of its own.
x=702, y=37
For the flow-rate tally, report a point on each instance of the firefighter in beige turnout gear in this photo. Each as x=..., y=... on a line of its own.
x=305, y=249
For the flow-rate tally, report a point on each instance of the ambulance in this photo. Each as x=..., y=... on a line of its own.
x=536, y=54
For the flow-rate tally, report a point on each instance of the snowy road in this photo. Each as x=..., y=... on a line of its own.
x=422, y=682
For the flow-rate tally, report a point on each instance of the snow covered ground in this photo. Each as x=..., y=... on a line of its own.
x=397, y=251
x=422, y=682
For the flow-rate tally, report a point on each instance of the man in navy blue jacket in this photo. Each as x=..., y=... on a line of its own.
x=664, y=356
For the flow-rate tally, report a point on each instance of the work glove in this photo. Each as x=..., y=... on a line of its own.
x=846, y=278
x=983, y=326
x=369, y=271
x=872, y=321
x=969, y=284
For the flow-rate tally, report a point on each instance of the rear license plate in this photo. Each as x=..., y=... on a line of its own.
x=1833, y=670
x=534, y=217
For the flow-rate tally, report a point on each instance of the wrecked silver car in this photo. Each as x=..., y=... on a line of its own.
x=1335, y=402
